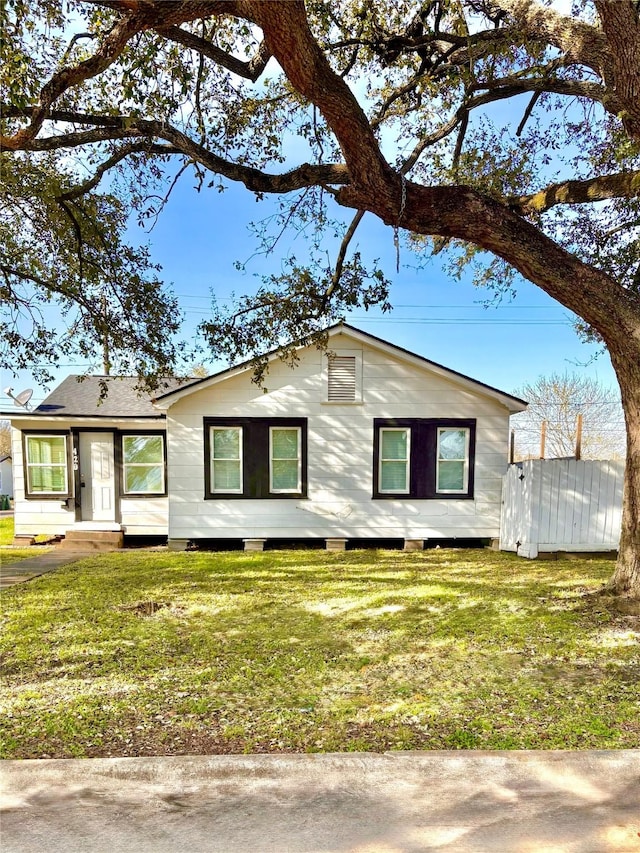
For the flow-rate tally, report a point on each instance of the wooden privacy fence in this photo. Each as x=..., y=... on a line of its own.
x=561, y=505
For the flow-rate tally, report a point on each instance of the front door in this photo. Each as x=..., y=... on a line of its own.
x=97, y=476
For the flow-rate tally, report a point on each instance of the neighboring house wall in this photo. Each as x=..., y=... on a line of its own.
x=562, y=505
x=6, y=477
x=340, y=454
x=53, y=515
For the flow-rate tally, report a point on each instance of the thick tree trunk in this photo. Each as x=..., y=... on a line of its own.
x=626, y=578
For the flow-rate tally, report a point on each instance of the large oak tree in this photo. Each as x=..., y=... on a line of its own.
x=405, y=111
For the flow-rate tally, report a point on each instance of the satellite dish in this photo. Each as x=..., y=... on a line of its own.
x=21, y=399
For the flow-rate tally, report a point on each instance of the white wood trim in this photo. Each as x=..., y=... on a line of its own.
x=406, y=460
x=212, y=461
x=298, y=459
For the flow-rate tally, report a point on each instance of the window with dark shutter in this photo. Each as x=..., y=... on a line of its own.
x=423, y=457
x=255, y=458
x=342, y=379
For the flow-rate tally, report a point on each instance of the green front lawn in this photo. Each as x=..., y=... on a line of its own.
x=6, y=530
x=10, y=553
x=140, y=653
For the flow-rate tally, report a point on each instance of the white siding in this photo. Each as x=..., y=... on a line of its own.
x=36, y=516
x=6, y=478
x=137, y=516
x=144, y=516
x=562, y=505
x=340, y=455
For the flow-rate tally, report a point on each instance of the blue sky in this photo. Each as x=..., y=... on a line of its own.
x=199, y=237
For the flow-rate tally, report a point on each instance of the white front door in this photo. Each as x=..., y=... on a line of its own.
x=97, y=476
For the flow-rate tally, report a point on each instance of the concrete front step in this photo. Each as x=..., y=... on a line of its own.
x=92, y=540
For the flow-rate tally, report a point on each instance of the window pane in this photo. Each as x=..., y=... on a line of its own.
x=49, y=478
x=393, y=476
x=226, y=443
x=284, y=443
x=144, y=478
x=451, y=476
x=226, y=476
x=142, y=448
x=453, y=443
x=284, y=475
x=47, y=449
x=394, y=444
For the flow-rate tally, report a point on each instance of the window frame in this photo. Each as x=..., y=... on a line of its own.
x=121, y=435
x=423, y=457
x=464, y=460
x=256, y=457
x=212, y=460
x=298, y=459
x=406, y=460
x=47, y=496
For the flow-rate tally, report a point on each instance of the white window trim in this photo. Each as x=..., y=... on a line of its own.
x=238, y=458
x=348, y=353
x=407, y=461
x=298, y=459
x=161, y=463
x=30, y=465
x=465, y=476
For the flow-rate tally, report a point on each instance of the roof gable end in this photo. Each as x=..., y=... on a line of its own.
x=514, y=404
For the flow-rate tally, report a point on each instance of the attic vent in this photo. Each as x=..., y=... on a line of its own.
x=342, y=379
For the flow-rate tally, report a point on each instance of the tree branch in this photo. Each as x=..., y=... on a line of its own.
x=621, y=27
x=335, y=281
x=109, y=50
x=116, y=157
x=122, y=127
x=250, y=70
x=620, y=185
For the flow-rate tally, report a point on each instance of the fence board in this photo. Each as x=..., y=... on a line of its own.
x=560, y=504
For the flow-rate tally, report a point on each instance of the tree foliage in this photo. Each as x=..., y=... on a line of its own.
x=73, y=289
x=479, y=126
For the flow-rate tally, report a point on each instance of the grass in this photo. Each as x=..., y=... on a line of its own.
x=6, y=530
x=157, y=653
x=10, y=553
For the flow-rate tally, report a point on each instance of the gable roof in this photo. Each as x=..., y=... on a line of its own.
x=80, y=397
x=514, y=404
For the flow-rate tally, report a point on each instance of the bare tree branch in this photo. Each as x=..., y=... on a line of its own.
x=337, y=273
x=121, y=154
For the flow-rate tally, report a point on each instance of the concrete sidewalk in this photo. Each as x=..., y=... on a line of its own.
x=508, y=802
x=20, y=571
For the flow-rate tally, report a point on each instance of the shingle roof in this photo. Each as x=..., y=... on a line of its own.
x=75, y=398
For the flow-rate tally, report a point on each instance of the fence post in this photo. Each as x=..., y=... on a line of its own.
x=543, y=438
x=579, y=437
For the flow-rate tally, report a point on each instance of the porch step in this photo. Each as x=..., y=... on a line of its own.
x=92, y=540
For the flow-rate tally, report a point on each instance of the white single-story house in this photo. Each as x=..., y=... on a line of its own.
x=364, y=441
x=6, y=476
